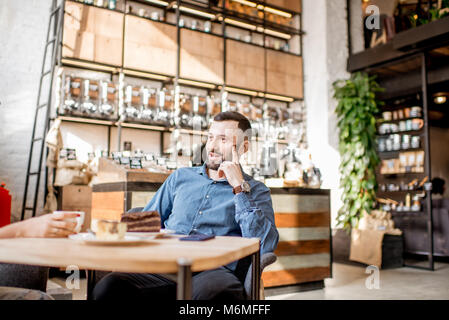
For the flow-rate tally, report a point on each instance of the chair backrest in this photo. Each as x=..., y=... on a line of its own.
x=23, y=276
x=136, y=209
x=266, y=259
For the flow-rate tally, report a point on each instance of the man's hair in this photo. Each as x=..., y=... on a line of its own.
x=243, y=121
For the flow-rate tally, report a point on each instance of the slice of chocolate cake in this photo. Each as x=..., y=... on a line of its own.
x=145, y=221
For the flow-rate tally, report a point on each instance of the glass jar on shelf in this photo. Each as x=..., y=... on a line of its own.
x=107, y=105
x=131, y=111
x=71, y=95
x=146, y=112
x=90, y=90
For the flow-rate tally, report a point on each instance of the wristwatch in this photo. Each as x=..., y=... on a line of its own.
x=245, y=187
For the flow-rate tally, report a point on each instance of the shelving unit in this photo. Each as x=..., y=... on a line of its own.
x=108, y=40
x=410, y=70
x=393, y=104
x=221, y=17
x=410, y=132
x=228, y=81
x=161, y=129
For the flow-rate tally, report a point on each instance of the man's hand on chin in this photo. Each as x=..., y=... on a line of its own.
x=231, y=169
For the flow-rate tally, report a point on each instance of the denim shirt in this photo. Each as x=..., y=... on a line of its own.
x=191, y=202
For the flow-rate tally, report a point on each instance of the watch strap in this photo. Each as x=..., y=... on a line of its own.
x=237, y=189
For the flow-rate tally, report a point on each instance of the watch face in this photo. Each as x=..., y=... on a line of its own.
x=246, y=187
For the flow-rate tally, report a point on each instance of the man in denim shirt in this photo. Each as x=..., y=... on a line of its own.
x=217, y=198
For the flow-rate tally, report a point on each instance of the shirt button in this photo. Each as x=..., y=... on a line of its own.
x=201, y=212
x=207, y=196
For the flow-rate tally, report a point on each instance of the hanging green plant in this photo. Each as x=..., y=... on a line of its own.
x=357, y=106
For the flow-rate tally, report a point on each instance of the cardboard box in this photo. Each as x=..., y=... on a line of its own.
x=76, y=198
x=117, y=189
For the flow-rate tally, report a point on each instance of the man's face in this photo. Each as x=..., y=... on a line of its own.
x=220, y=141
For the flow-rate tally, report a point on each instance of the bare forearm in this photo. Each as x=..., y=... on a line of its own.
x=15, y=230
x=46, y=226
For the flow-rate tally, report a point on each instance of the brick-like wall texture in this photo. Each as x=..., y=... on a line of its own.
x=23, y=25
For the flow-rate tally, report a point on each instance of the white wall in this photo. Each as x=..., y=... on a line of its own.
x=23, y=25
x=357, y=41
x=325, y=50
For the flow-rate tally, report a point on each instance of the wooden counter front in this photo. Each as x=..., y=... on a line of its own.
x=118, y=189
x=302, y=217
x=111, y=200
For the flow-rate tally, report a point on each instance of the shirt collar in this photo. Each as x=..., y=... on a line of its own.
x=202, y=170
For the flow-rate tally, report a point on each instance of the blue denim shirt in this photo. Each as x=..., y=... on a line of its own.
x=189, y=202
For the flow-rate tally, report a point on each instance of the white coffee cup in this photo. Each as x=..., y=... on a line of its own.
x=79, y=220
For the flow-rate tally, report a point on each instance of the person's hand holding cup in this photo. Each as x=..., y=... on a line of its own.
x=60, y=224
x=75, y=217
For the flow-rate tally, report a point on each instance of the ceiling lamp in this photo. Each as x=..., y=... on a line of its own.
x=89, y=65
x=148, y=75
x=278, y=12
x=440, y=97
x=278, y=34
x=161, y=3
x=278, y=97
x=247, y=3
x=195, y=12
x=197, y=83
x=242, y=91
x=240, y=24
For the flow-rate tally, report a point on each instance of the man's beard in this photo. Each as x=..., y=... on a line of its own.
x=213, y=165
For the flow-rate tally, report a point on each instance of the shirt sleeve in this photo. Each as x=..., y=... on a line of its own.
x=162, y=201
x=254, y=213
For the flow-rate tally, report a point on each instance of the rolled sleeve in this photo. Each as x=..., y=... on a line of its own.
x=254, y=213
x=243, y=202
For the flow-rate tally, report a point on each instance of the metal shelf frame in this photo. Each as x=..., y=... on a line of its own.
x=415, y=50
x=426, y=147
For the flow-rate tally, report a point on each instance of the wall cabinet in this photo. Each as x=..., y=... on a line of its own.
x=201, y=57
x=150, y=46
x=92, y=34
x=245, y=66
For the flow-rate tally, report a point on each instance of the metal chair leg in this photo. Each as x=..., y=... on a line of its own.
x=184, y=287
x=90, y=283
x=255, y=279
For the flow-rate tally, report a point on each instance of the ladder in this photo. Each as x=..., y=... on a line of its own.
x=42, y=111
